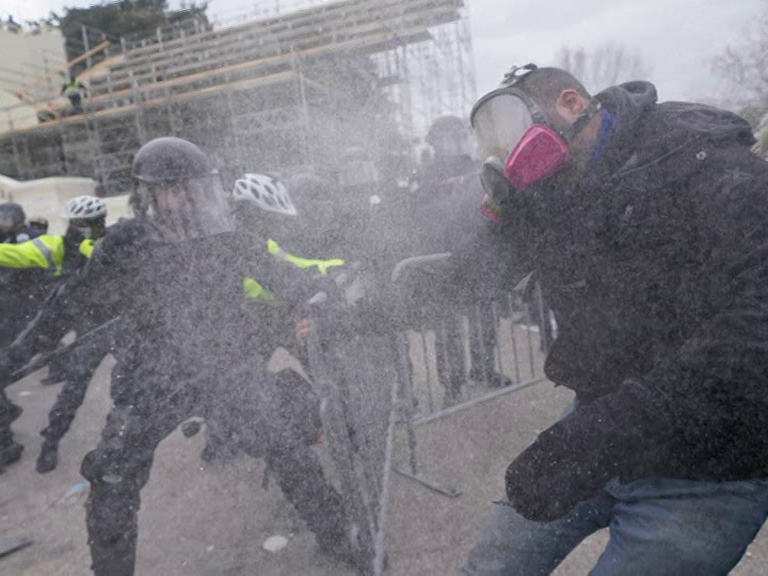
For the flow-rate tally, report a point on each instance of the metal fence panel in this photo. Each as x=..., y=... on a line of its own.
x=369, y=379
x=458, y=356
x=357, y=379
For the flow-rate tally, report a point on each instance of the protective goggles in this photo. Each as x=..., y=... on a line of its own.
x=511, y=128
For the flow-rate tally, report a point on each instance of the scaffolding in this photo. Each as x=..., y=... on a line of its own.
x=275, y=90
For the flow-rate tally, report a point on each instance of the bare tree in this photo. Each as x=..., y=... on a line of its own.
x=607, y=65
x=744, y=67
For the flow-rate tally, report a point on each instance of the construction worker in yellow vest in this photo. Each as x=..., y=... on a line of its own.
x=73, y=89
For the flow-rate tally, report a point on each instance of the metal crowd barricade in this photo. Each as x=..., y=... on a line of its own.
x=358, y=381
x=371, y=379
x=476, y=354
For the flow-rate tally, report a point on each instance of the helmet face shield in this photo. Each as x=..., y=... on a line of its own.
x=187, y=209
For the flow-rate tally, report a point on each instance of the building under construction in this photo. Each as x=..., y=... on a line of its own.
x=289, y=91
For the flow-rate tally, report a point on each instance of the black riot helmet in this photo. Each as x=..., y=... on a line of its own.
x=11, y=220
x=178, y=189
x=169, y=160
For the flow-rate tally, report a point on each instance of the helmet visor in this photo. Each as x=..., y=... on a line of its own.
x=188, y=209
x=500, y=123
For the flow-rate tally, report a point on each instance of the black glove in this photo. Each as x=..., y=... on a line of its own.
x=621, y=435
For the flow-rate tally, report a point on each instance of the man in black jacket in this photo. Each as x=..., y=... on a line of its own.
x=646, y=224
x=188, y=343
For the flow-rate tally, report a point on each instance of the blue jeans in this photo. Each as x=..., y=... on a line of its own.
x=658, y=526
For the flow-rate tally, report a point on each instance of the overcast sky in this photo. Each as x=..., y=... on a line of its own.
x=677, y=38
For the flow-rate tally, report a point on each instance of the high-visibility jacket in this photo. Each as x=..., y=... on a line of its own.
x=73, y=87
x=86, y=247
x=322, y=265
x=255, y=291
x=46, y=251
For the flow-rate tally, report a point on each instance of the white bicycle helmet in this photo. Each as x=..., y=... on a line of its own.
x=266, y=192
x=85, y=208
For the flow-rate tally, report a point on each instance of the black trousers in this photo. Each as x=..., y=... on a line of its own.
x=77, y=371
x=8, y=413
x=146, y=410
x=76, y=100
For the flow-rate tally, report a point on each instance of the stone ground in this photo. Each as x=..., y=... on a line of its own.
x=200, y=519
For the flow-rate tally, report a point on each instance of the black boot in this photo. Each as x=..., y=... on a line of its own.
x=209, y=453
x=9, y=454
x=343, y=547
x=49, y=457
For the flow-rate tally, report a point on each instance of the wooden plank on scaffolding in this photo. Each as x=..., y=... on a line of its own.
x=74, y=62
x=282, y=78
x=440, y=11
x=376, y=42
x=377, y=13
x=369, y=29
x=289, y=18
x=253, y=65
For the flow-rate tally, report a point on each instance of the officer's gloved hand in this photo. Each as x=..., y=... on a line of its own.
x=572, y=461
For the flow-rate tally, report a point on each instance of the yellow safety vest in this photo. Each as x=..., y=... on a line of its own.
x=255, y=291
x=46, y=251
x=86, y=247
x=321, y=265
x=72, y=88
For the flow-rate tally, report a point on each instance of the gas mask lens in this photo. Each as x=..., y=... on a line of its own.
x=500, y=123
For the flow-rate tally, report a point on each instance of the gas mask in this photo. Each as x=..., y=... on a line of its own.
x=521, y=148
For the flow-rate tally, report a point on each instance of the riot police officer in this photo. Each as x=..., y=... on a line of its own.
x=189, y=344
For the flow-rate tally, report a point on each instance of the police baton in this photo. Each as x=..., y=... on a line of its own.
x=46, y=358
